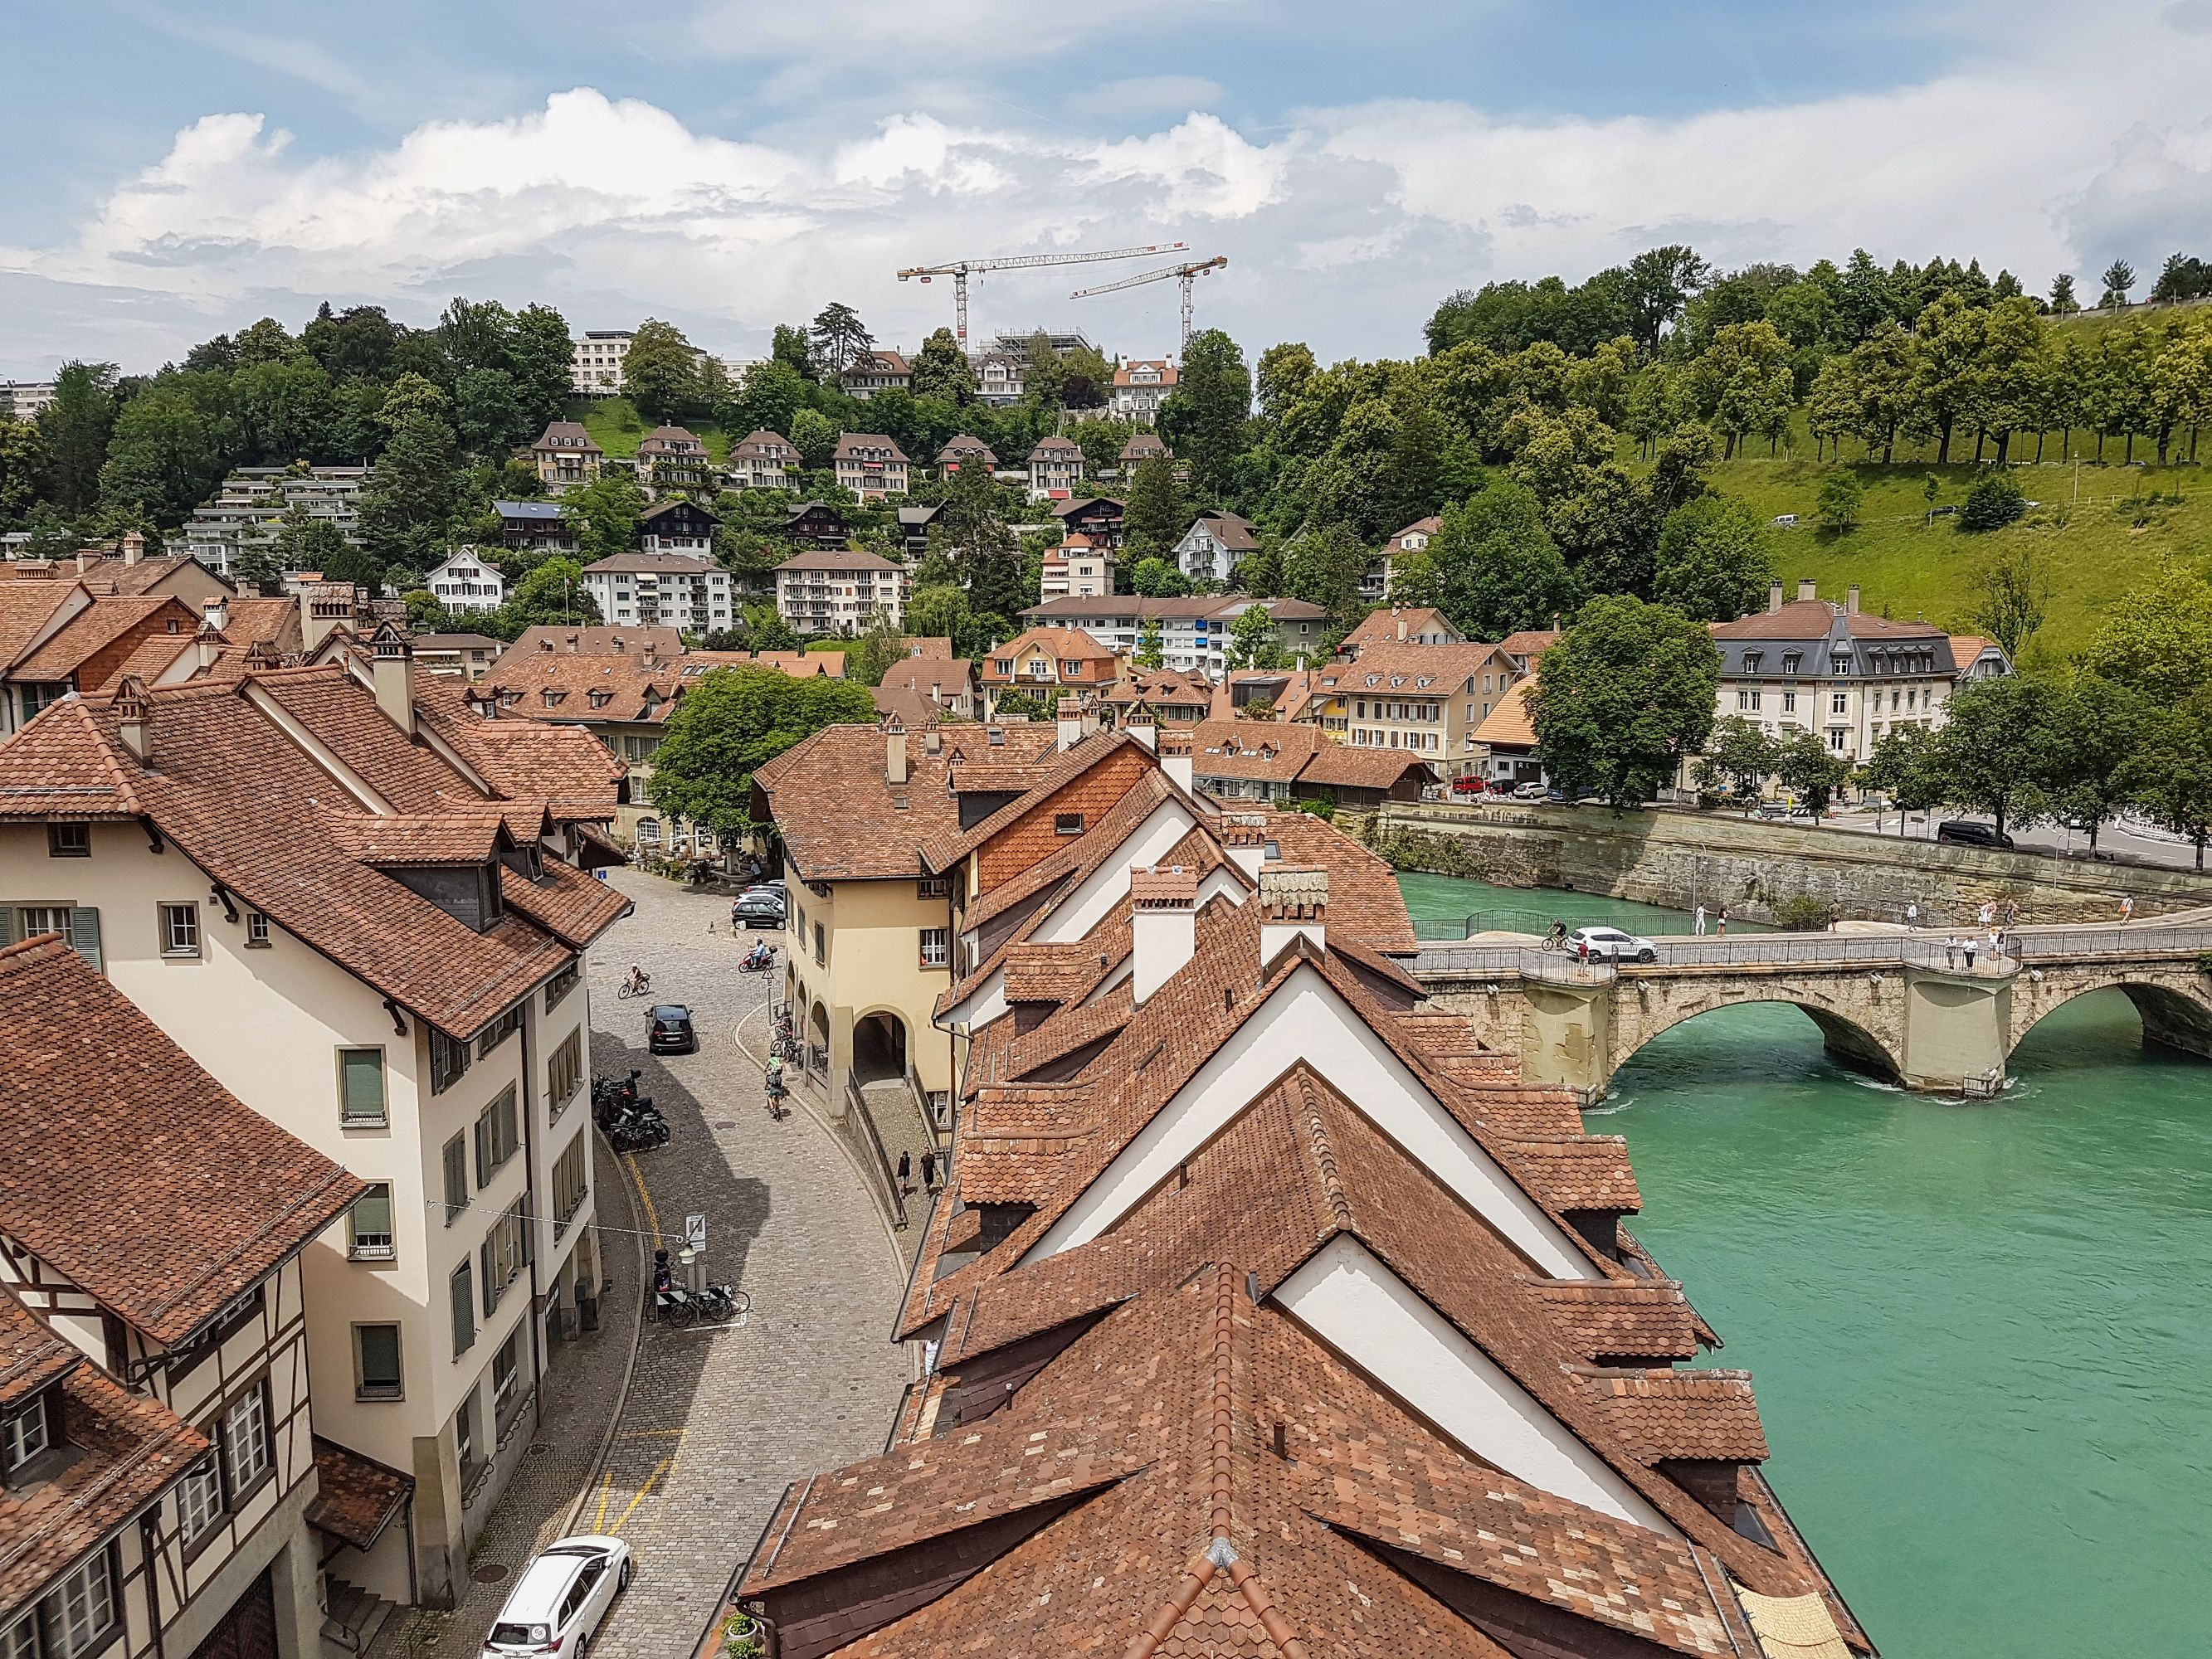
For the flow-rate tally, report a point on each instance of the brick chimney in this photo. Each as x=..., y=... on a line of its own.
x=1162, y=926
x=1807, y=590
x=1293, y=900
x=134, y=719
x=1774, y=595
x=894, y=749
x=393, y=677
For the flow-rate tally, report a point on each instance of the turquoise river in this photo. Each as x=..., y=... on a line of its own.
x=1981, y=1333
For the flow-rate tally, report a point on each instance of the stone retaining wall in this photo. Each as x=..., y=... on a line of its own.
x=1752, y=867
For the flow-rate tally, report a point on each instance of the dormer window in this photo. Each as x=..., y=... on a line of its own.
x=1842, y=665
x=1751, y=661
x=1789, y=662
x=27, y=1434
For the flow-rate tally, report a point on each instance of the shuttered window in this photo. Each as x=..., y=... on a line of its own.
x=361, y=1085
x=461, y=1293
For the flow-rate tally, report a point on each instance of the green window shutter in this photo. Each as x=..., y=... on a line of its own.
x=372, y=1211
x=464, y=1311
x=362, y=1075
x=488, y=1271
x=84, y=935
x=457, y=1178
x=9, y=933
x=483, y=1148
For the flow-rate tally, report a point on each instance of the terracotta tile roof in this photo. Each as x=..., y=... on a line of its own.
x=32, y=1357
x=571, y=773
x=1384, y=627
x=1816, y=619
x=27, y=608
x=100, y=625
x=1345, y=766
x=133, y=1448
x=1581, y=1172
x=1270, y=751
x=403, y=842
x=569, y=435
x=594, y=640
x=1072, y=643
x=962, y=447
x=765, y=445
x=1436, y=671
x=1529, y=642
x=1698, y=1415
x=1511, y=722
x=918, y=674
x=837, y=558
x=133, y=1172
x=1427, y=526
x=1055, y=769
x=359, y=1496
x=606, y=688
x=858, y=445
x=230, y=788
x=799, y=665
x=1603, y=1319
x=1365, y=904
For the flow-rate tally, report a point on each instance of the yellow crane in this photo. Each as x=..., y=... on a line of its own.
x=1189, y=273
x=960, y=270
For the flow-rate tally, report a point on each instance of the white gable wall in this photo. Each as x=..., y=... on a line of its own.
x=1108, y=884
x=1305, y=1019
x=1357, y=1306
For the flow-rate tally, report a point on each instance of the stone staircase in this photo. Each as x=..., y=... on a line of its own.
x=351, y=1615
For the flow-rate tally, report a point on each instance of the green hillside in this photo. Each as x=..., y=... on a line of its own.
x=2092, y=548
x=618, y=427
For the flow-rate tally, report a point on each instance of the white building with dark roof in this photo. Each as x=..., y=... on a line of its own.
x=839, y=590
x=685, y=591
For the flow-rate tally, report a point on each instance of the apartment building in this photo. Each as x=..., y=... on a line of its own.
x=762, y=460
x=684, y=591
x=253, y=500
x=1001, y=377
x=467, y=581
x=1194, y=630
x=1433, y=1402
x=1210, y=548
x=360, y=908
x=153, y=1227
x=1140, y=386
x=1055, y=468
x=1077, y=568
x=26, y=400
x=877, y=370
x=672, y=458
x=565, y=456
x=1428, y=699
x=1814, y=665
x=596, y=361
x=839, y=590
x=869, y=464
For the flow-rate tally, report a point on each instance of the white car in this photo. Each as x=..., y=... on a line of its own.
x=559, y=1601
x=1530, y=791
x=1611, y=945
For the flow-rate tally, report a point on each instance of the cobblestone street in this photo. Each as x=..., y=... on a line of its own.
x=719, y=1419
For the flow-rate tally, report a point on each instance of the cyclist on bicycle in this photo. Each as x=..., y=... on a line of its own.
x=1556, y=939
x=635, y=984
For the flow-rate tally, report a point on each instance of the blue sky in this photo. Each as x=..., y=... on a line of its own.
x=729, y=164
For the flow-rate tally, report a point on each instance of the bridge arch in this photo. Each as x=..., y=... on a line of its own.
x=2175, y=1003
x=1848, y=1035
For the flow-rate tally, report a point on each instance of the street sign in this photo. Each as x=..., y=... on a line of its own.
x=695, y=1232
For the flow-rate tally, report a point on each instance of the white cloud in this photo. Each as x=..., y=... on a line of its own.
x=2064, y=147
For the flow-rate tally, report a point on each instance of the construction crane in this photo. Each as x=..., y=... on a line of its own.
x=1189, y=273
x=960, y=270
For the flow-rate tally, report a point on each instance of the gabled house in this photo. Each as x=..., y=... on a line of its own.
x=78, y=644
x=1141, y=447
x=869, y=464
x=1401, y=625
x=877, y=370
x=672, y=458
x=466, y=581
x=1098, y=517
x=764, y=460
x=817, y=523
x=1375, y=584
x=536, y=527
x=1427, y=699
x=1076, y=567
x=964, y=450
x=1140, y=386
x=1055, y=468
x=676, y=526
x=565, y=455
x=1045, y=661
x=1210, y=548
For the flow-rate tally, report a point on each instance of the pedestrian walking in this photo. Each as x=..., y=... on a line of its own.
x=2012, y=915
x=1967, y=945
x=906, y=1174
x=1720, y=928
x=1698, y=923
x=1986, y=914
x=1950, y=952
x=1913, y=915
x=929, y=1170
x=2127, y=906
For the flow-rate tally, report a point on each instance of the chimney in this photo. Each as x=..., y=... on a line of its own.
x=394, y=677
x=1851, y=599
x=1174, y=760
x=1806, y=590
x=1145, y=729
x=134, y=546
x=894, y=749
x=134, y=719
x=1293, y=900
x=1400, y=616
x=1071, y=721
x=933, y=738
x=1162, y=926
x=1774, y=595
x=1247, y=841
x=207, y=644
x=83, y=561
x=218, y=612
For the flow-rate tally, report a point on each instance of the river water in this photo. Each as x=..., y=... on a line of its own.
x=1981, y=1333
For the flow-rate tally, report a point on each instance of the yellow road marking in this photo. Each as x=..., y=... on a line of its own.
x=652, y=1434
x=653, y=1529
x=637, y=1176
x=639, y=1497
x=599, y=1521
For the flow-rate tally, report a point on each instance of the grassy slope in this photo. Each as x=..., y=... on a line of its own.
x=618, y=427
x=1907, y=568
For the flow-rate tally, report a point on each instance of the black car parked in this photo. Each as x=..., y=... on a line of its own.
x=1965, y=832
x=762, y=907
x=670, y=1030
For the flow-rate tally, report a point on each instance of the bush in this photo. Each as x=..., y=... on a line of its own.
x=1992, y=504
x=1801, y=913
x=1837, y=504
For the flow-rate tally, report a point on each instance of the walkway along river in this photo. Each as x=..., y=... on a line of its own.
x=1982, y=1333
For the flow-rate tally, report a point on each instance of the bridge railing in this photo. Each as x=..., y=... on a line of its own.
x=1750, y=950
x=2142, y=938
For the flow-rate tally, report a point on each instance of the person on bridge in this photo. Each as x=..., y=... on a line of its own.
x=1698, y=923
x=1913, y=915
x=1720, y=928
x=2127, y=907
x=1582, y=951
x=1950, y=952
x=1967, y=945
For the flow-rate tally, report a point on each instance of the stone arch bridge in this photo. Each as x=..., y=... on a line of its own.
x=1896, y=1004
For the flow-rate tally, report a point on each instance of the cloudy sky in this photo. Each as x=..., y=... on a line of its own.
x=181, y=168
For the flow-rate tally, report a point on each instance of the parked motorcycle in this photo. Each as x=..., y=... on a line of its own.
x=638, y=1131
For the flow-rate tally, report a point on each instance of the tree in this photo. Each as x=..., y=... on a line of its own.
x=1325, y=568
x=2097, y=728
x=606, y=512
x=1811, y=771
x=1948, y=340
x=941, y=369
x=74, y=429
x=871, y=654
x=1623, y=697
x=814, y=436
x=1156, y=514
x=552, y=595
x=730, y=723
x=660, y=371
x=2119, y=276
x=1994, y=502
x=1283, y=373
x=769, y=398
x=2063, y=303
x=22, y=467
x=1904, y=767
x=2012, y=592
x=304, y=542
x=491, y=411
x=1158, y=579
x=787, y=345
x=1837, y=504
x=839, y=339
x=1992, y=754
x=1737, y=759
x=1203, y=419
x=410, y=502
x=1659, y=283
x=1712, y=562
x=970, y=531
x=766, y=630
x=1152, y=652
x=1497, y=569
x=2169, y=774
x=541, y=358
x=1744, y=382
x=163, y=455
x=1252, y=638
x=2158, y=640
